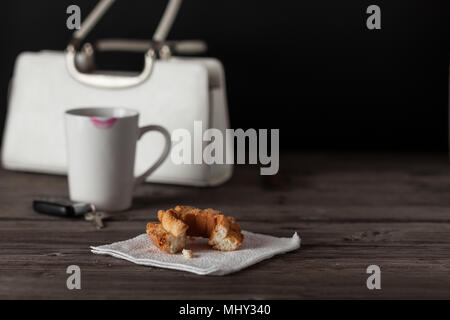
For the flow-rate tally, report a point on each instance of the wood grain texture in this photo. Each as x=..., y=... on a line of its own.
x=351, y=211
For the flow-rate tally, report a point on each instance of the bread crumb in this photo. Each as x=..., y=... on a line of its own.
x=187, y=254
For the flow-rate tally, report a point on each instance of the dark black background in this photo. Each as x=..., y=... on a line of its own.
x=310, y=68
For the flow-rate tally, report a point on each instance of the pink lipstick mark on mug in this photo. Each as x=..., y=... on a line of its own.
x=103, y=124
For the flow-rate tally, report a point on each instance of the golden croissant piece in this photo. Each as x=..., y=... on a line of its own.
x=224, y=233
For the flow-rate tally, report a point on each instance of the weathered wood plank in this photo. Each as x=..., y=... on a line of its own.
x=341, y=278
x=318, y=189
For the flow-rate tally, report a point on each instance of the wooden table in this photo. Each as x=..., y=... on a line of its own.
x=351, y=211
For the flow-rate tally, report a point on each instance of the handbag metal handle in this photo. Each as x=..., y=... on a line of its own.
x=114, y=81
x=189, y=47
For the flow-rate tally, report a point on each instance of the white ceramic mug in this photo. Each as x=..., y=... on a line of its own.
x=101, y=147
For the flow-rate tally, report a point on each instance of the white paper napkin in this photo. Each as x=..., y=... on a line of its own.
x=256, y=247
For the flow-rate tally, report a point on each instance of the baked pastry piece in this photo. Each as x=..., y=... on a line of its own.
x=164, y=239
x=187, y=254
x=223, y=232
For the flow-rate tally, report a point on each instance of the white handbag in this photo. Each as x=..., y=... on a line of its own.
x=170, y=91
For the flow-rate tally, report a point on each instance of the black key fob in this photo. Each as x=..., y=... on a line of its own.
x=61, y=207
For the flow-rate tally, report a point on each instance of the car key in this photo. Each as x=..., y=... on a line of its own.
x=65, y=208
x=61, y=207
x=96, y=217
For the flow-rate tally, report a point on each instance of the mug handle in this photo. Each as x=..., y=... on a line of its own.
x=141, y=178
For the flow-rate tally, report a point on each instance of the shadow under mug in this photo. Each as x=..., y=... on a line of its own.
x=101, y=149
